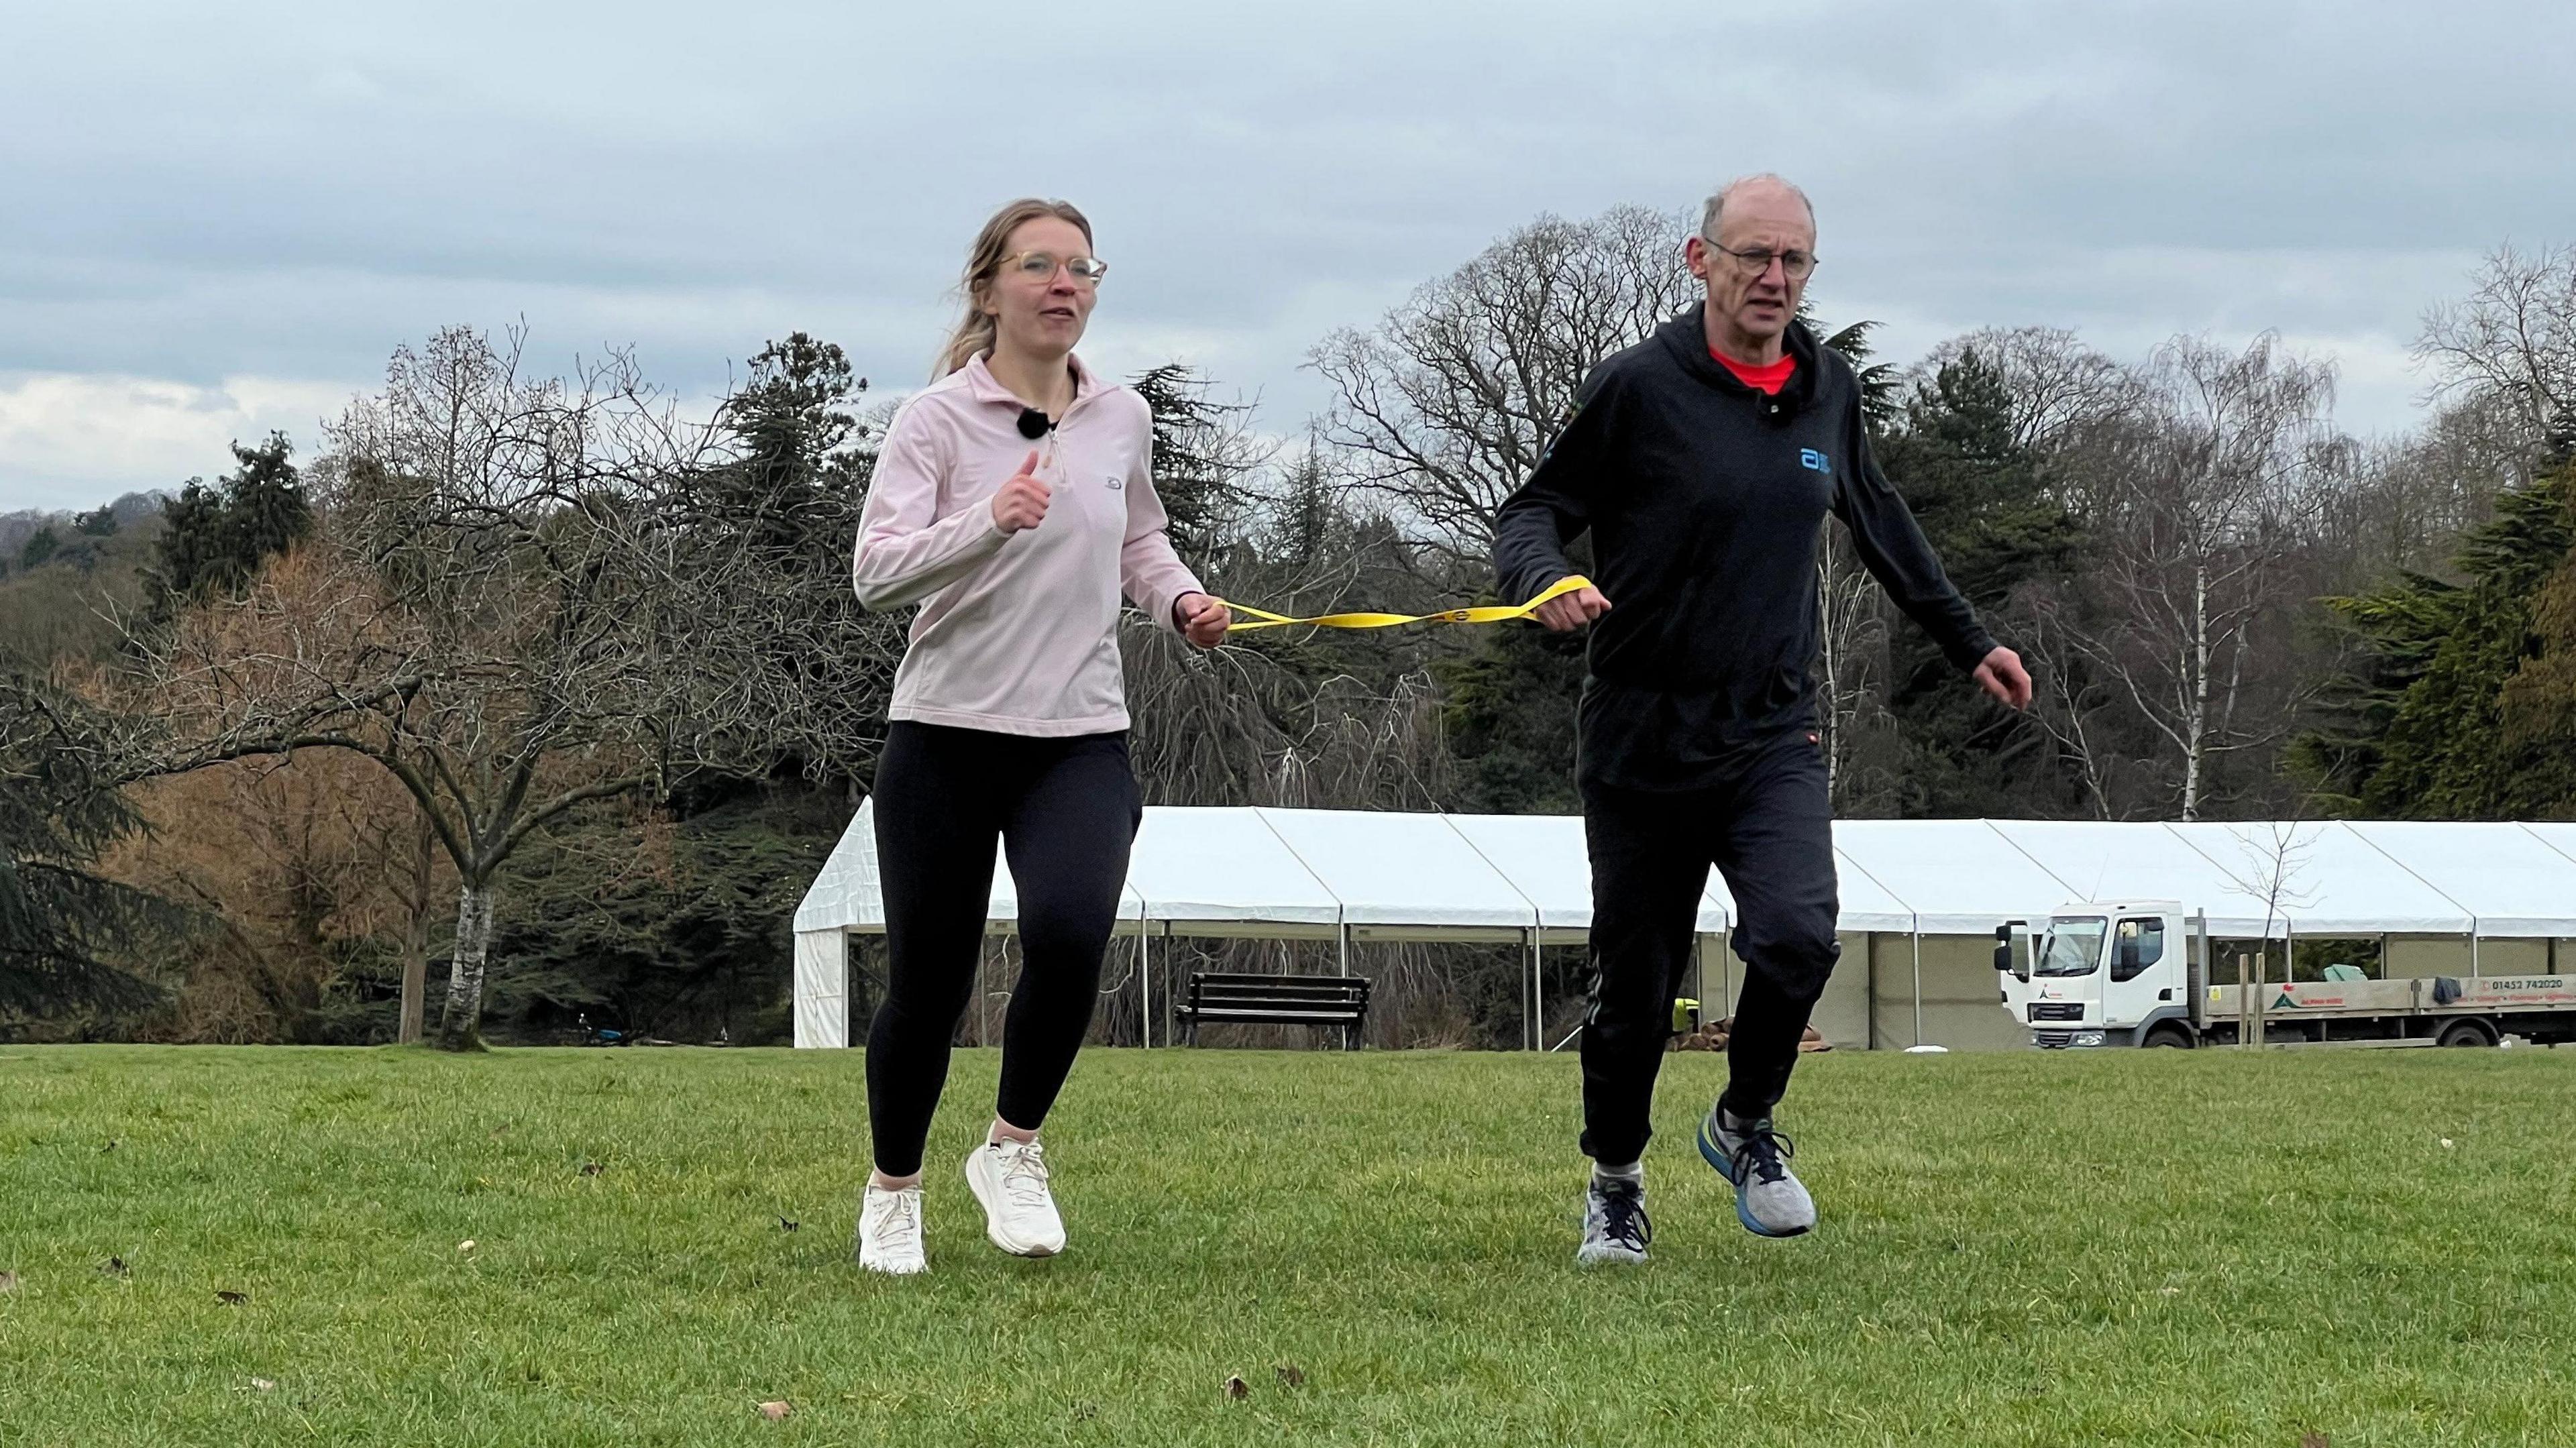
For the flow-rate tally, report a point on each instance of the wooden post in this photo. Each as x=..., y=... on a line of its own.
x=2244, y=1005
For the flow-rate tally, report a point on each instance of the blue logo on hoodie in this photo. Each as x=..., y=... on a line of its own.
x=1810, y=458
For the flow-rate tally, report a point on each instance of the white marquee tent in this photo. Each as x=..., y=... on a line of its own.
x=2501, y=894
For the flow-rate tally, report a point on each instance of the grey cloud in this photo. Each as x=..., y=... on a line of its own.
x=289, y=192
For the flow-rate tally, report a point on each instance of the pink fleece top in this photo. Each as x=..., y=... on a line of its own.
x=1018, y=633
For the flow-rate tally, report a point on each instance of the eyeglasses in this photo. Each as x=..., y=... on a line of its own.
x=1040, y=266
x=1793, y=264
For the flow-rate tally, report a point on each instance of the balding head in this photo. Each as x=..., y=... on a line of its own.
x=1761, y=182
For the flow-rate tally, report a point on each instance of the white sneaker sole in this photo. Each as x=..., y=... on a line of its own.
x=1605, y=1256
x=985, y=1195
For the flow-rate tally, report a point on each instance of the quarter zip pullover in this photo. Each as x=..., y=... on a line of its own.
x=1705, y=500
x=1018, y=633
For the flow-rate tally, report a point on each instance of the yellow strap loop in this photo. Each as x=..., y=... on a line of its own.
x=1489, y=613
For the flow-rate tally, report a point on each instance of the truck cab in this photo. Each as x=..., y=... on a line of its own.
x=2100, y=973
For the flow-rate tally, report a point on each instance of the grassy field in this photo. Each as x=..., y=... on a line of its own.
x=2136, y=1247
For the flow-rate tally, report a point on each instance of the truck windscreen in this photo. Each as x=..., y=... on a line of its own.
x=2073, y=947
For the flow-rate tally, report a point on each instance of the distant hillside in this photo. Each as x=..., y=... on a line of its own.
x=16, y=528
x=64, y=576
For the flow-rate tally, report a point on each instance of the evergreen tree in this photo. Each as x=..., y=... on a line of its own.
x=787, y=499
x=1880, y=382
x=214, y=539
x=61, y=924
x=2540, y=698
x=1982, y=503
x=2418, y=729
x=40, y=548
x=1196, y=464
x=1509, y=712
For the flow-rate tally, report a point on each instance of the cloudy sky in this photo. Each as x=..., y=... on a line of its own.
x=219, y=219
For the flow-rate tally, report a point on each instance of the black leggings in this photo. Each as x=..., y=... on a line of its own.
x=1065, y=811
x=1768, y=828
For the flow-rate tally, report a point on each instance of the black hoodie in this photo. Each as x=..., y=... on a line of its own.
x=1706, y=501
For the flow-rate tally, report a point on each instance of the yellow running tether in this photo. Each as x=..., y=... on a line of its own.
x=1489, y=613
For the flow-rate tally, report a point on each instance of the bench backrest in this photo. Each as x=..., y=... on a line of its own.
x=1223, y=986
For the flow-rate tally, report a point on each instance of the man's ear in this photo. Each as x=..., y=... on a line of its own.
x=1695, y=256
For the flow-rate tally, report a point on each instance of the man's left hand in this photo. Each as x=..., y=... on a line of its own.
x=2003, y=676
x=1203, y=620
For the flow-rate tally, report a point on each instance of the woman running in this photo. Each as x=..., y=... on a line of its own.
x=1013, y=499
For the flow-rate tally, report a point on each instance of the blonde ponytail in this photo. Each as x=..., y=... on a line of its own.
x=974, y=334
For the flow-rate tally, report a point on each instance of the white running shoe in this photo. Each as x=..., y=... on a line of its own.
x=890, y=1231
x=1010, y=1179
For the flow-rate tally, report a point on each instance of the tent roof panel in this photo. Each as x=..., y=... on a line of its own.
x=1389, y=868
x=1866, y=904
x=845, y=895
x=1543, y=856
x=1957, y=876
x=2559, y=835
x=1192, y=863
x=2510, y=879
x=2320, y=877
x=2106, y=860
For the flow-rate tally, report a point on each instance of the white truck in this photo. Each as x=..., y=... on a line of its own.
x=2143, y=973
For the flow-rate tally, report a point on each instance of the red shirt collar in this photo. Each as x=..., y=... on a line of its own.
x=1767, y=379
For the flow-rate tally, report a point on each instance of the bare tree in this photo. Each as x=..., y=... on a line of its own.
x=1293, y=717
x=2275, y=862
x=750, y=550
x=2071, y=705
x=1446, y=406
x=1851, y=656
x=2514, y=337
x=2198, y=496
x=2403, y=502
x=486, y=611
x=2057, y=384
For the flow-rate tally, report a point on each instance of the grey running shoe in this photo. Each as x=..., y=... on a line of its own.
x=1615, y=1228
x=1769, y=1199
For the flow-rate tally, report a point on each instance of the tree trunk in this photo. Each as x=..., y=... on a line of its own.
x=460, y=1024
x=1829, y=656
x=2196, y=718
x=415, y=957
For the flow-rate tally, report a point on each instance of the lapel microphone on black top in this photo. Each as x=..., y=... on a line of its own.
x=1035, y=424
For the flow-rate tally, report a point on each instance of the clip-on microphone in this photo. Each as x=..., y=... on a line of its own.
x=1035, y=424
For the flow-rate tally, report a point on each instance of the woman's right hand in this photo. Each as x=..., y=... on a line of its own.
x=1022, y=502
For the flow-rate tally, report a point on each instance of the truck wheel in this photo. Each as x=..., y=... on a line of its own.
x=2169, y=1036
x=2466, y=1031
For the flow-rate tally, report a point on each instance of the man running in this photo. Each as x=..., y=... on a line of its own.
x=1703, y=461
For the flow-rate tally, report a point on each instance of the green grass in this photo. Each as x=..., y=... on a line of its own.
x=2125, y=1247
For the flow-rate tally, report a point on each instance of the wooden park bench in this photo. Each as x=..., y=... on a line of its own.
x=1218, y=998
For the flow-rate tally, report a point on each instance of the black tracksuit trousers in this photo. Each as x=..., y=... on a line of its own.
x=1065, y=812
x=1767, y=826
